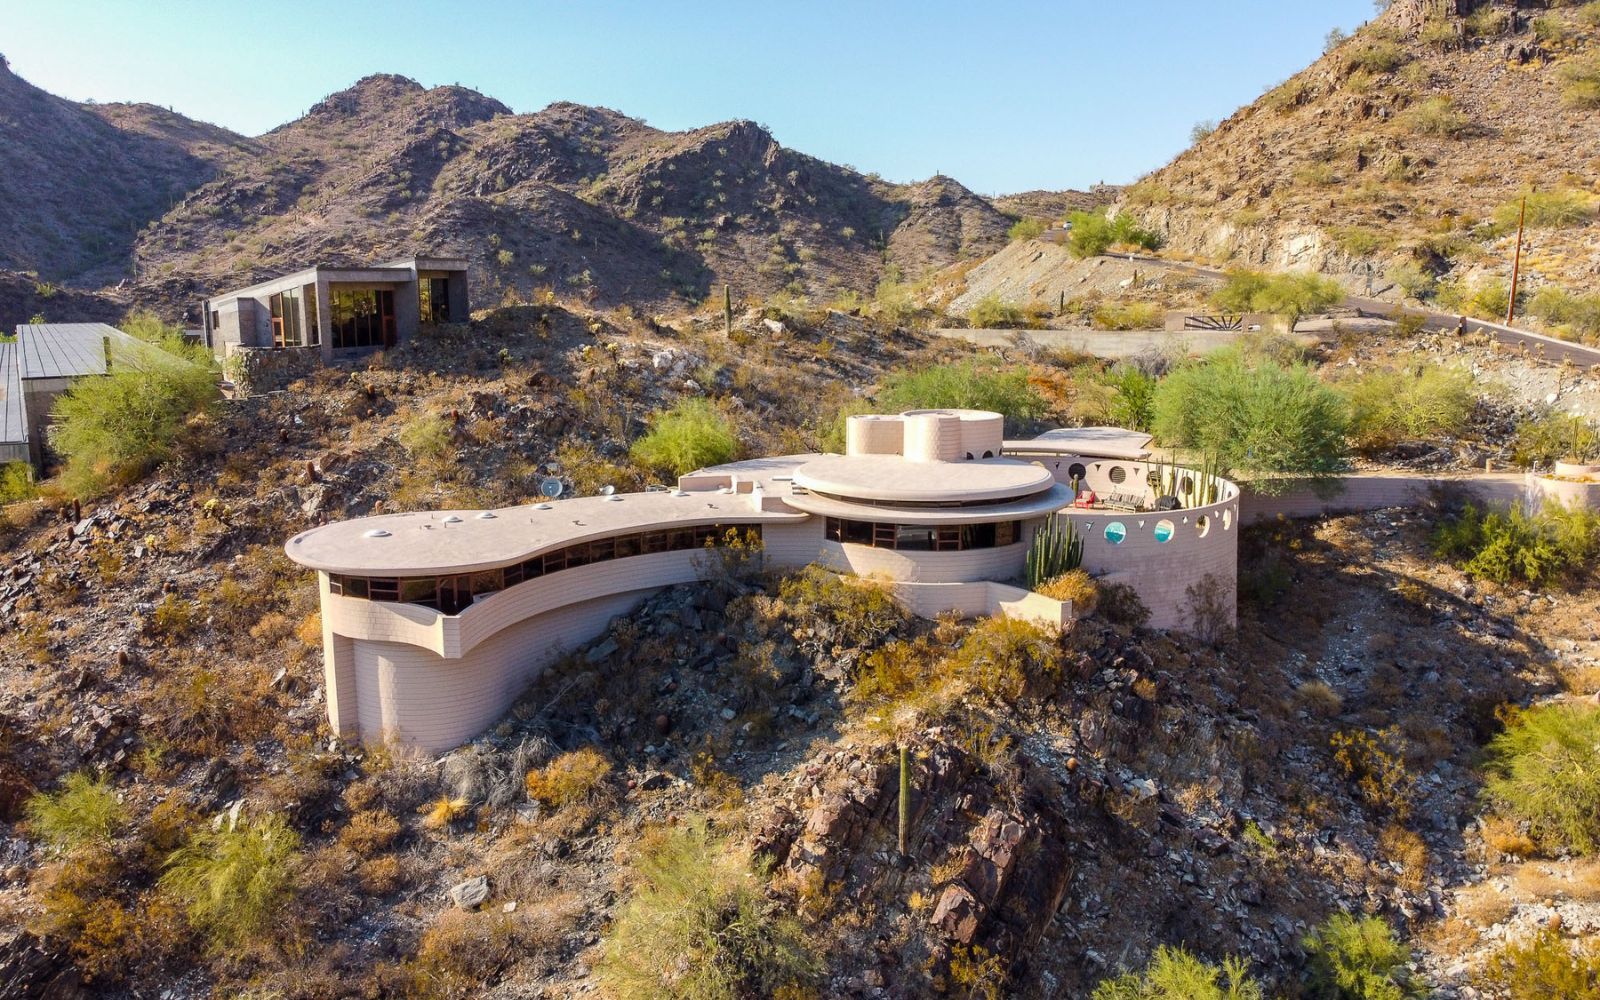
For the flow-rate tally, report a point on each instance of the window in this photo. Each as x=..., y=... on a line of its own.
x=362, y=317
x=286, y=318
x=453, y=594
x=313, y=330
x=922, y=537
x=433, y=300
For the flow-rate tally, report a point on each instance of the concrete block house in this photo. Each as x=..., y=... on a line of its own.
x=435, y=621
x=43, y=361
x=326, y=313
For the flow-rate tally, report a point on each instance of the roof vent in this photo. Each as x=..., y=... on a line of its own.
x=486, y=516
x=614, y=497
x=377, y=533
x=680, y=493
x=541, y=506
x=451, y=519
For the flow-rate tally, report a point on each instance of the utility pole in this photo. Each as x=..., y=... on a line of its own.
x=1516, y=264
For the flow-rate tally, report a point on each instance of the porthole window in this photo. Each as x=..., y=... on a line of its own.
x=1186, y=486
x=988, y=454
x=1116, y=531
x=1118, y=474
x=1076, y=471
x=1227, y=519
x=1202, y=524
x=1165, y=529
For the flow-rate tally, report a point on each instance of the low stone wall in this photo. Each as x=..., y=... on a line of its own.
x=1355, y=493
x=257, y=370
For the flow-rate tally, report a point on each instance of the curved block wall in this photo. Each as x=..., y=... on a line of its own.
x=870, y=434
x=933, y=436
x=1162, y=554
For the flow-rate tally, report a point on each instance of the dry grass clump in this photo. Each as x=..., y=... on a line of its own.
x=1504, y=837
x=1319, y=699
x=1077, y=587
x=571, y=779
x=1377, y=773
x=369, y=832
x=462, y=952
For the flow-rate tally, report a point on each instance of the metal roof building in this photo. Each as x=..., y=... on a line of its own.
x=41, y=365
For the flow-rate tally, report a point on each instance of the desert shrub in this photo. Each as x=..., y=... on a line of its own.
x=370, y=831
x=699, y=926
x=236, y=883
x=1574, y=315
x=84, y=811
x=1507, y=543
x=1120, y=604
x=428, y=437
x=1026, y=229
x=1133, y=402
x=1202, y=130
x=1439, y=33
x=1259, y=417
x=1093, y=233
x=571, y=779
x=1414, y=279
x=1542, y=968
x=1390, y=406
x=1076, y=586
x=1580, y=82
x=1486, y=22
x=691, y=435
x=1177, y=974
x=123, y=425
x=1376, y=772
x=1359, y=241
x=1589, y=13
x=836, y=614
x=1548, y=29
x=1555, y=437
x=1291, y=294
x=1350, y=958
x=993, y=312
x=461, y=953
x=974, y=385
x=1378, y=55
x=16, y=482
x=1485, y=298
x=1560, y=208
x=1544, y=770
x=1007, y=659
x=1126, y=316
x=1436, y=116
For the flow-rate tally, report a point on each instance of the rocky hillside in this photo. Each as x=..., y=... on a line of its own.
x=573, y=198
x=79, y=181
x=1406, y=146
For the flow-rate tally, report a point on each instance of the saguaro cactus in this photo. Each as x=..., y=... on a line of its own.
x=1056, y=549
x=727, y=309
x=905, y=800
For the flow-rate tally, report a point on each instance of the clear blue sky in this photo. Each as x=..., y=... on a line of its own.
x=1004, y=96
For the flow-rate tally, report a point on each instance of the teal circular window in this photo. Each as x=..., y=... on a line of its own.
x=1116, y=531
x=1165, y=530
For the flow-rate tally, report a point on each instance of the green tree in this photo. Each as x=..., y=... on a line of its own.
x=1093, y=233
x=693, y=434
x=123, y=425
x=1290, y=294
x=971, y=385
x=1350, y=958
x=1177, y=974
x=84, y=811
x=1544, y=770
x=698, y=927
x=1261, y=418
x=236, y=882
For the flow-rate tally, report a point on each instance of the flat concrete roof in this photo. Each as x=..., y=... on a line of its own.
x=13, y=419
x=394, y=270
x=69, y=350
x=428, y=543
x=1090, y=442
x=890, y=478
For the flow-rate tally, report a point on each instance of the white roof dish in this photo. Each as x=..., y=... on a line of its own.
x=890, y=478
x=1090, y=442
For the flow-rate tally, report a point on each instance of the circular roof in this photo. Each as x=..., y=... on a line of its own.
x=890, y=477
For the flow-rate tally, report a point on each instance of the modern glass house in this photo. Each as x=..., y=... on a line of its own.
x=338, y=311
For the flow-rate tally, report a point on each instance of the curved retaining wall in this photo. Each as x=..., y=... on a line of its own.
x=1162, y=572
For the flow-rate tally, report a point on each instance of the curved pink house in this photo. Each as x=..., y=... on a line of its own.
x=434, y=622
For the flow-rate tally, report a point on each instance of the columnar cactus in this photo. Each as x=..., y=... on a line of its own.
x=1056, y=549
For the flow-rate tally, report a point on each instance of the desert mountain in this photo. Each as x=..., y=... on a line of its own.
x=79, y=181
x=1406, y=145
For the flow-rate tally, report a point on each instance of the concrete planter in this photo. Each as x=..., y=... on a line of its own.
x=1577, y=470
x=1572, y=484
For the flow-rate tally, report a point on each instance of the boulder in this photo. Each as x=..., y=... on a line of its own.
x=471, y=894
